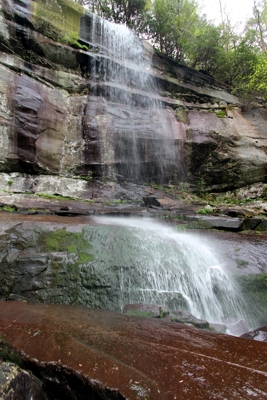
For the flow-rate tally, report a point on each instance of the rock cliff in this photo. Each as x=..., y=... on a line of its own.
x=82, y=97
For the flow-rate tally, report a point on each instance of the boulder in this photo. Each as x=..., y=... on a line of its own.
x=187, y=318
x=146, y=310
x=16, y=383
x=259, y=334
x=80, y=353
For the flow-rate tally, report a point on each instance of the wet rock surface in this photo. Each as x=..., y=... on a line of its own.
x=83, y=352
x=259, y=334
x=64, y=111
x=146, y=310
x=16, y=383
x=186, y=318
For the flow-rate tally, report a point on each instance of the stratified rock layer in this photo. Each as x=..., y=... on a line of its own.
x=69, y=107
x=82, y=353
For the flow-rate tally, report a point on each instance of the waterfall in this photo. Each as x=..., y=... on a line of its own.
x=158, y=265
x=137, y=135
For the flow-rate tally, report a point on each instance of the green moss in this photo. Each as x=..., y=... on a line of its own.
x=54, y=196
x=73, y=243
x=137, y=313
x=59, y=20
x=204, y=211
x=241, y=263
x=84, y=257
x=221, y=114
x=71, y=249
x=181, y=115
x=8, y=209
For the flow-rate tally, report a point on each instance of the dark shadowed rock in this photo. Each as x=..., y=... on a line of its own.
x=259, y=334
x=15, y=383
x=187, y=318
x=209, y=222
x=262, y=226
x=81, y=353
x=151, y=201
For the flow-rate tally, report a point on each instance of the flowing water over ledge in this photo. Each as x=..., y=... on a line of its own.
x=103, y=262
x=179, y=270
x=139, y=139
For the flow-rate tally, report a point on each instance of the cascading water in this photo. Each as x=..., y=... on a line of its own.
x=137, y=138
x=139, y=141
x=158, y=265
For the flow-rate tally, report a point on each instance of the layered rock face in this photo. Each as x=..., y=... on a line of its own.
x=80, y=96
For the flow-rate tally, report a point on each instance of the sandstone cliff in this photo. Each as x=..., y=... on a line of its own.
x=79, y=97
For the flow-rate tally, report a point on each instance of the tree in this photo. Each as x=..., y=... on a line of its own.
x=259, y=24
x=127, y=12
x=170, y=26
x=177, y=29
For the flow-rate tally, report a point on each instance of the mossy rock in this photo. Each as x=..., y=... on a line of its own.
x=59, y=20
x=63, y=240
x=254, y=290
x=181, y=115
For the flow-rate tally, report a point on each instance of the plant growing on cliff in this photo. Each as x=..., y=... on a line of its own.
x=205, y=211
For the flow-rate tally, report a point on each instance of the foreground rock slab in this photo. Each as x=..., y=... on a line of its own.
x=16, y=383
x=80, y=352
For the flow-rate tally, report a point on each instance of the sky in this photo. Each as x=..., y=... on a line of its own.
x=237, y=10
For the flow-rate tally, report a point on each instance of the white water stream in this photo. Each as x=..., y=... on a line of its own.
x=139, y=142
x=178, y=270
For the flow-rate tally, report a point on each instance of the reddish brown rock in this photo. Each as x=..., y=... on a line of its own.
x=132, y=357
x=66, y=112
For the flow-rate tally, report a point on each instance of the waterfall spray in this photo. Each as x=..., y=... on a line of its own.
x=158, y=265
x=138, y=137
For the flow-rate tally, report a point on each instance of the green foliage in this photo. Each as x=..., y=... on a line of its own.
x=10, y=182
x=119, y=201
x=88, y=177
x=221, y=114
x=8, y=208
x=205, y=211
x=54, y=196
x=178, y=29
x=119, y=11
x=257, y=80
x=171, y=26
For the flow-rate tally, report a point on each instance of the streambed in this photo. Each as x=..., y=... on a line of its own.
x=107, y=263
